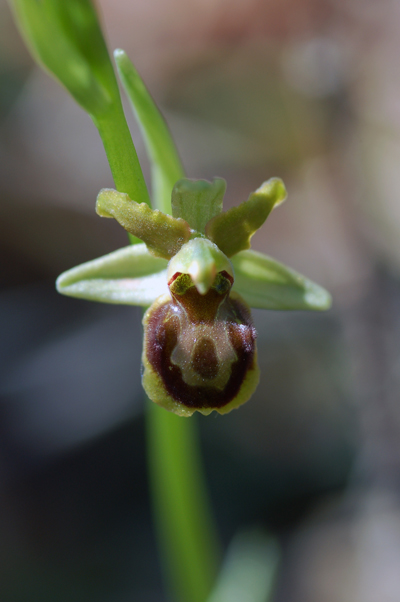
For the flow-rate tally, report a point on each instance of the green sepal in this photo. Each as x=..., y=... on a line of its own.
x=198, y=201
x=129, y=276
x=233, y=229
x=65, y=37
x=267, y=284
x=166, y=167
x=163, y=234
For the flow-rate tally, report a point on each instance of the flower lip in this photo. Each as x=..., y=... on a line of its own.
x=197, y=362
x=201, y=308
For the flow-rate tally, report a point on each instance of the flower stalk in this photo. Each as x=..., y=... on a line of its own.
x=186, y=529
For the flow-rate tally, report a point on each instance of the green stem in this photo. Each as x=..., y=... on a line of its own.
x=186, y=532
x=67, y=40
x=187, y=536
x=122, y=157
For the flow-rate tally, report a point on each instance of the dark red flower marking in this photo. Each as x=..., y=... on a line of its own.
x=202, y=347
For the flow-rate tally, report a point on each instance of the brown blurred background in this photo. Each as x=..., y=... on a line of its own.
x=307, y=90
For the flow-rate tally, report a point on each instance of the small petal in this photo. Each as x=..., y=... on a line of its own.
x=268, y=284
x=129, y=276
x=198, y=201
x=163, y=234
x=233, y=229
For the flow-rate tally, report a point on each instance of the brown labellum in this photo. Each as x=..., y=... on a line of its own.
x=199, y=350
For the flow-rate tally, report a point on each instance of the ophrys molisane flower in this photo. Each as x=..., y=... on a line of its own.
x=197, y=274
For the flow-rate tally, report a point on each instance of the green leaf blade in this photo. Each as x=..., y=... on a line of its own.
x=66, y=38
x=267, y=284
x=166, y=166
x=129, y=276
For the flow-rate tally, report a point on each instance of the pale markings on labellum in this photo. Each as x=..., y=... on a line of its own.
x=204, y=352
x=200, y=348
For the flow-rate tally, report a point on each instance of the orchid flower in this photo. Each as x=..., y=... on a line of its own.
x=195, y=270
x=197, y=277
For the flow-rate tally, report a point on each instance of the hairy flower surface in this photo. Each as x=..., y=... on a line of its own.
x=199, y=349
x=199, y=277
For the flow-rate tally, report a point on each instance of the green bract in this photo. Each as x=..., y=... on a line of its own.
x=165, y=164
x=66, y=39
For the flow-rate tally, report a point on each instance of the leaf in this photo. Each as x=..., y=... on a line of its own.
x=267, y=284
x=65, y=37
x=163, y=234
x=233, y=229
x=166, y=167
x=198, y=201
x=129, y=276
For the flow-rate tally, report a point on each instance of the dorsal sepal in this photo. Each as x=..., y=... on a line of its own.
x=198, y=201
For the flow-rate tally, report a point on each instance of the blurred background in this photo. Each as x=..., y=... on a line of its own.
x=307, y=90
